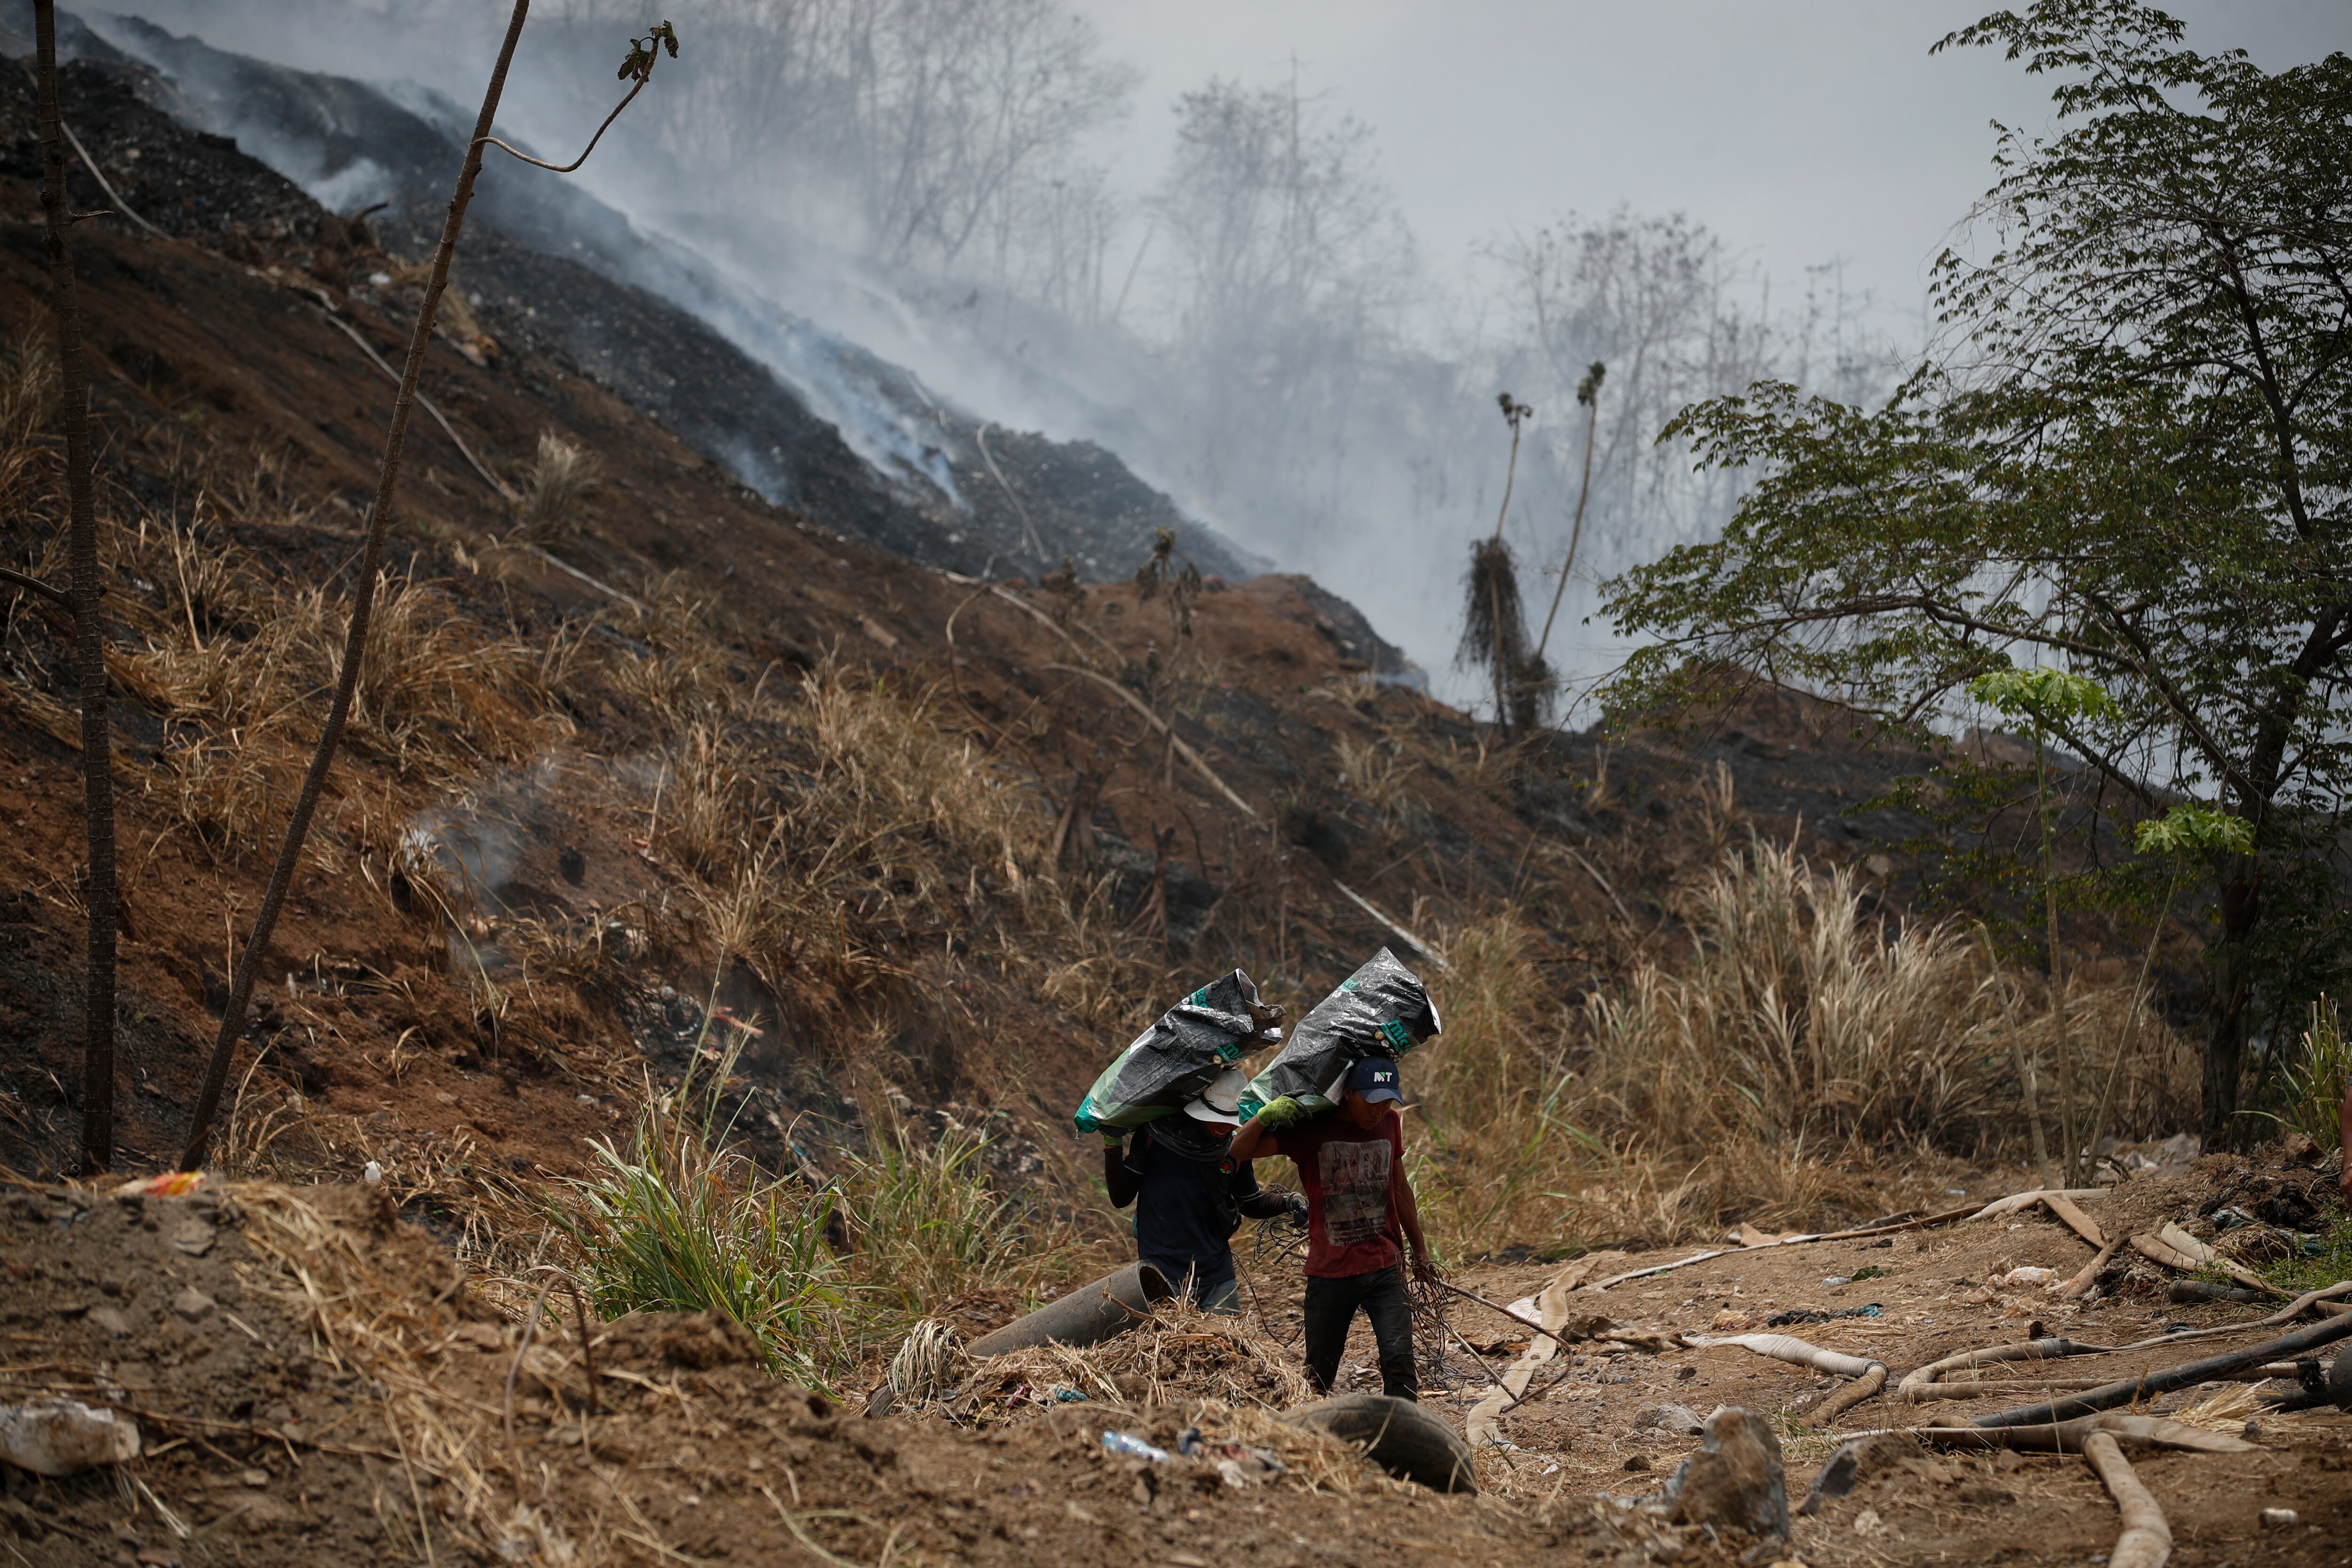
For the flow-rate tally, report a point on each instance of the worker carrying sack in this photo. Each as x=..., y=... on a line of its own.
x=1180, y=1055
x=1381, y=1010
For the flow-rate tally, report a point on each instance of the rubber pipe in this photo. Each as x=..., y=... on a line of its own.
x=1086, y=1316
x=2287, y=1347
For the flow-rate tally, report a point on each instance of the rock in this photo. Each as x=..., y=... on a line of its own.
x=110, y=1320
x=1679, y=1419
x=1638, y=1463
x=1734, y=1481
x=61, y=1436
x=194, y=1305
x=194, y=1237
x=2280, y=1518
x=1853, y=1461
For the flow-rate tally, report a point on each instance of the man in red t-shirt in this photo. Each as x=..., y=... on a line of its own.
x=1351, y=1163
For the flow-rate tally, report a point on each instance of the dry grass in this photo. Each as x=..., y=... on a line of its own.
x=1184, y=1356
x=1795, y=1058
x=555, y=486
x=240, y=662
x=1376, y=774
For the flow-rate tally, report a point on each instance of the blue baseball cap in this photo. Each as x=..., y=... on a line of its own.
x=1375, y=1078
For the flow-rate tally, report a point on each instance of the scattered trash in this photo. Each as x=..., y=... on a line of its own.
x=2232, y=1218
x=2023, y=1274
x=373, y=1175
x=1875, y=1271
x=1238, y=1464
x=62, y=1436
x=1802, y=1315
x=1128, y=1446
x=2280, y=1518
x=170, y=1184
x=1837, y=1279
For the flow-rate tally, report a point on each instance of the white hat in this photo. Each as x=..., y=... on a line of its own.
x=1221, y=1102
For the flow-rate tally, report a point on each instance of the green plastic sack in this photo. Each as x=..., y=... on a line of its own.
x=1381, y=1010
x=1186, y=1048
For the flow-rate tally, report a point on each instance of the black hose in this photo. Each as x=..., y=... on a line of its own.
x=2287, y=1347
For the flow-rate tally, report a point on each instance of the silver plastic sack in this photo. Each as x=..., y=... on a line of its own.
x=1381, y=1010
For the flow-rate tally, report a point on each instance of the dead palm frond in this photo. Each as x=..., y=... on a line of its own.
x=1494, y=628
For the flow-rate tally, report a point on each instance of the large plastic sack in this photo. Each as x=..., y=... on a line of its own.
x=1180, y=1054
x=1381, y=1010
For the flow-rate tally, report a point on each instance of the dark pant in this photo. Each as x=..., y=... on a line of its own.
x=1220, y=1293
x=1331, y=1306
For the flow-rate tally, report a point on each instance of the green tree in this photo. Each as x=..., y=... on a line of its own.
x=2131, y=457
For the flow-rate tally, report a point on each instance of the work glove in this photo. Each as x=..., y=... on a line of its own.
x=1278, y=1113
x=1113, y=1140
x=1295, y=1211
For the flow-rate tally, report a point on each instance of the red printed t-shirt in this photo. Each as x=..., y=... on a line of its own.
x=1348, y=1172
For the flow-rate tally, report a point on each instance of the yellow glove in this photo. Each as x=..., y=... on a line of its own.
x=1278, y=1113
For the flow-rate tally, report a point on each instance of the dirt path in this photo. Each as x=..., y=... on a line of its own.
x=317, y=1384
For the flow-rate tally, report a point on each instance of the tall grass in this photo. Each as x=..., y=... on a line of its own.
x=1779, y=1071
x=2312, y=1087
x=555, y=485
x=925, y=1226
x=676, y=1221
x=680, y=1219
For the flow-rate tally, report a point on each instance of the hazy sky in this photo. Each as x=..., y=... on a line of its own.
x=1807, y=130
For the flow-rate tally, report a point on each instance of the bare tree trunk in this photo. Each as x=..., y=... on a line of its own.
x=2225, y=1044
x=89, y=629
x=330, y=734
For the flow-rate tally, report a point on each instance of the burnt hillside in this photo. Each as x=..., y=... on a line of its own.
x=694, y=766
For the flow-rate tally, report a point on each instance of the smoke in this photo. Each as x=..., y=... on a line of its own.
x=895, y=203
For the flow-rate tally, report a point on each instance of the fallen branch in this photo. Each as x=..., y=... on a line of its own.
x=2146, y=1538
x=32, y=584
x=1868, y=1372
x=1948, y=1216
x=1365, y=904
x=2008, y=1388
x=447, y=429
x=1593, y=1326
x=2016, y=1201
x=565, y=567
x=1192, y=757
x=1594, y=872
